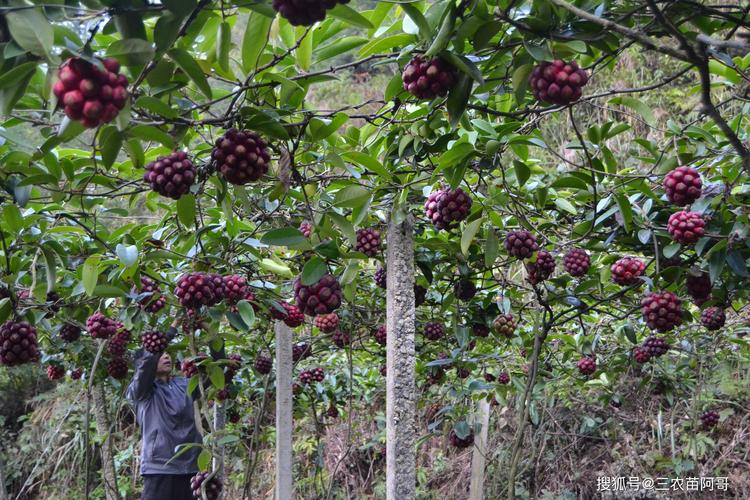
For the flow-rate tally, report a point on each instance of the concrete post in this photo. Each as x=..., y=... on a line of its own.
x=479, y=457
x=284, y=487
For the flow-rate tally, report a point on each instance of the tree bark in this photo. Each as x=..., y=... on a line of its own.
x=400, y=388
x=220, y=413
x=284, y=423
x=109, y=474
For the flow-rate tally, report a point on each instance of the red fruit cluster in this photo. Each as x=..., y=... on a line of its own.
x=190, y=366
x=89, y=93
x=587, y=365
x=542, y=268
x=558, y=82
x=117, y=368
x=154, y=341
x=627, y=270
x=420, y=295
x=446, y=207
x=381, y=278
x=222, y=394
x=306, y=229
x=70, y=332
x=576, y=262
x=462, y=371
x=713, y=318
x=101, y=327
x=662, y=311
x=521, y=244
x=428, y=79
x=118, y=343
x=76, y=374
x=53, y=299
x=641, y=355
x=234, y=363
x=433, y=330
x=291, y=315
x=200, y=289
x=368, y=242
x=300, y=351
x=170, y=175
x=332, y=411
x=489, y=377
x=341, y=339
x=464, y=289
x=504, y=325
x=296, y=388
x=699, y=286
x=55, y=372
x=480, y=329
x=503, y=378
x=263, y=365
x=655, y=346
x=212, y=487
x=686, y=227
x=322, y=297
x=154, y=302
x=683, y=186
x=241, y=156
x=710, y=419
x=304, y=12
x=381, y=335
x=458, y=442
x=327, y=323
x=235, y=288
x=310, y=376
x=233, y=416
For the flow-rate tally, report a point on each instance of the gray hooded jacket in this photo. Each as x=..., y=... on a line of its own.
x=165, y=413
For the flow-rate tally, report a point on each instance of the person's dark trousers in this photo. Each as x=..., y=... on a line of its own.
x=167, y=487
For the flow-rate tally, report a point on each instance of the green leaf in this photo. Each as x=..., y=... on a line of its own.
x=520, y=81
x=283, y=237
x=491, y=247
x=458, y=98
x=225, y=44
x=247, y=313
x=465, y=65
x=131, y=52
x=339, y=46
x=522, y=171
x=314, y=269
x=186, y=209
x=110, y=142
x=303, y=53
x=350, y=16
x=109, y=292
x=565, y=205
x=626, y=210
x=351, y=197
x=368, y=162
x=737, y=263
x=418, y=18
x=272, y=266
x=50, y=262
x=254, y=40
x=379, y=45
x=90, y=273
x=468, y=235
x=671, y=250
x=180, y=7
x=31, y=30
x=204, y=459
x=216, y=375
x=187, y=64
x=14, y=76
x=157, y=106
x=638, y=106
x=151, y=133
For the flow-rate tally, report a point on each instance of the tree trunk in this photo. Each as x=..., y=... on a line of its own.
x=284, y=424
x=109, y=474
x=479, y=457
x=400, y=388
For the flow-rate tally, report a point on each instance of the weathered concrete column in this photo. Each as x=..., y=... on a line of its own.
x=284, y=487
x=400, y=388
x=479, y=457
x=220, y=414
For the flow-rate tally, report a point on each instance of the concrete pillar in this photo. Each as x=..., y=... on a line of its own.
x=284, y=487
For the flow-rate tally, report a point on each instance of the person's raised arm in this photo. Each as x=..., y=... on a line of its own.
x=145, y=371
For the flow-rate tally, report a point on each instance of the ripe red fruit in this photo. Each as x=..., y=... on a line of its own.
x=381, y=335
x=541, y=269
x=332, y=411
x=420, y=295
x=710, y=419
x=341, y=339
x=212, y=487
x=111, y=64
x=327, y=323
x=89, y=88
x=233, y=416
x=662, y=311
x=505, y=325
x=154, y=302
x=641, y=354
x=446, y=207
x=464, y=289
x=683, y=186
x=576, y=262
x=480, y=329
x=433, y=330
x=655, y=346
x=462, y=371
x=235, y=288
x=627, y=270
x=291, y=315
x=234, y=363
x=310, y=376
x=190, y=366
x=699, y=286
x=199, y=289
x=587, y=365
x=368, y=242
x=296, y=388
x=381, y=278
x=322, y=297
x=55, y=371
x=241, y=156
x=713, y=318
x=101, y=327
x=521, y=244
x=70, y=332
x=306, y=229
x=558, y=82
x=304, y=12
x=171, y=175
x=428, y=79
x=300, y=351
x=118, y=344
x=489, y=377
x=686, y=227
x=458, y=442
x=117, y=368
x=154, y=341
x=76, y=374
x=74, y=100
x=263, y=365
x=503, y=378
